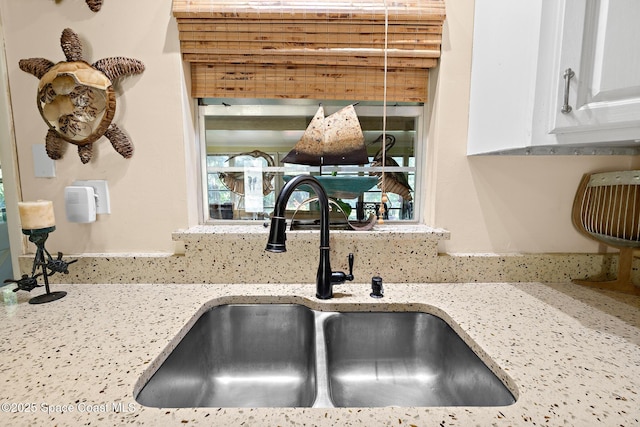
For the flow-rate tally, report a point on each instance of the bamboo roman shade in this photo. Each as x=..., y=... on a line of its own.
x=318, y=49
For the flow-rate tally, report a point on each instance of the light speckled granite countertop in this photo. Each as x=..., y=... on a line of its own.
x=573, y=353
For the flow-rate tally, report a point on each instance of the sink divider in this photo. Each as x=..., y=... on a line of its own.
x=322, y=378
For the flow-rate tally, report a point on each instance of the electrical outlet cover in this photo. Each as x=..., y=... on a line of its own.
x=101, y=190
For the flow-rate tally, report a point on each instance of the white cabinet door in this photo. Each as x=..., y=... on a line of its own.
x=521, y=50
x=600, y=43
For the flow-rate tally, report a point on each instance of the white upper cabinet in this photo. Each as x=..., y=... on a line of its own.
x=600, y=44
x=584, y=89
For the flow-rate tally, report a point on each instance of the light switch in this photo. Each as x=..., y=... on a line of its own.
x=43, y=166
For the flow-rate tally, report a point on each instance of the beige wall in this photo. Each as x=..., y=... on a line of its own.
x=149, y=191
x=490, y=204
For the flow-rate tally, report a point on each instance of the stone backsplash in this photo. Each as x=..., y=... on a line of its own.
x=399, y=254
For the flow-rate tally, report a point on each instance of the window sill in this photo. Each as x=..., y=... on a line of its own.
x=417, y=230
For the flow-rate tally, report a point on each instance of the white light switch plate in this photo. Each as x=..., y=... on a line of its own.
x=101, y=189
x=43, y=166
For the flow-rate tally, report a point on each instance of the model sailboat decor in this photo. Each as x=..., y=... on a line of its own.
x=334, y=140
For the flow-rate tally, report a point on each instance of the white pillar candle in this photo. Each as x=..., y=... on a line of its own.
x=36, y=215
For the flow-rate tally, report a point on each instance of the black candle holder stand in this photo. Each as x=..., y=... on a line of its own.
x=43, y=259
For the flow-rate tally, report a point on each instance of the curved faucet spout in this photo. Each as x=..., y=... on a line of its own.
x=277, y=234
x=278, y=226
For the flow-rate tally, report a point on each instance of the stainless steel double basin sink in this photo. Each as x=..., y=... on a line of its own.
x=287, y=355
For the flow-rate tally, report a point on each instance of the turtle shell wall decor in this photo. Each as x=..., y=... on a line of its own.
x=94, y=5
x=77, y=100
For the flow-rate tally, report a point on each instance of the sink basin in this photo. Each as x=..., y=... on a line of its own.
x=287, y=355
x=405, y=359
x=258, y=355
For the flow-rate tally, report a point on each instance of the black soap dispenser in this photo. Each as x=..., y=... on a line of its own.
x=376, y=287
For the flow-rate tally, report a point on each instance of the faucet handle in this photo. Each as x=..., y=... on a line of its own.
x=341, y=277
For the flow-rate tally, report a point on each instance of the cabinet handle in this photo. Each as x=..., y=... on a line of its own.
x=568, y=74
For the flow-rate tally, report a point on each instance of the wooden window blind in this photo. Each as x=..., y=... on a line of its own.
x=318, y=49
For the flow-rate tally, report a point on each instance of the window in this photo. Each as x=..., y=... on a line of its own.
x=246, y=141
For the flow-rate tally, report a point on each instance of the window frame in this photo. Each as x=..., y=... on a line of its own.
x=299, y=107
